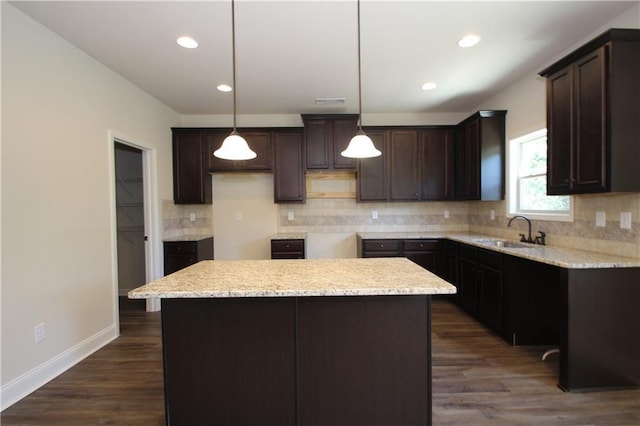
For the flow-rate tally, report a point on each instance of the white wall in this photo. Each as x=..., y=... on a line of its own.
x=244, y=215
x=58, y=106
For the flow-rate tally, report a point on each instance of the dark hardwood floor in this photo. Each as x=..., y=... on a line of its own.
x=477, y=380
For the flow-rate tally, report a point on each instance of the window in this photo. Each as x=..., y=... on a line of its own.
x=527, y=192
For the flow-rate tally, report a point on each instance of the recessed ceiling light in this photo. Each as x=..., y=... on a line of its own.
x=224, y=88
x=429, y=86
x=469, y=40
x=187, y=42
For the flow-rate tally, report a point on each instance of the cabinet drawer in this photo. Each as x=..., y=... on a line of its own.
x=381, y=245
x=287, y=245
x=490, y=258
x=181, y=247
x=419, y=245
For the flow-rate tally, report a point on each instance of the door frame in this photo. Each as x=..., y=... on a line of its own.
x=151, y=215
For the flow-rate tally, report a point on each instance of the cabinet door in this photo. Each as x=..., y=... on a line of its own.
x=372, y=172
x=317, y=134
x=467, y=284
x=491, y=297
x=191, y=183
x=469, y=161
x=437, y=164
x=343, y=131
x=559, y=93
x=404, y=183
x=288, y=179
x=590, y=140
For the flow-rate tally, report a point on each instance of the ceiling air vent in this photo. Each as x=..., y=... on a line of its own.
x=331, y=101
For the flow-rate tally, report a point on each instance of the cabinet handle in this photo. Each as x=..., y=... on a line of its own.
x=287, y=245
x=381, y=245
x=421, y=245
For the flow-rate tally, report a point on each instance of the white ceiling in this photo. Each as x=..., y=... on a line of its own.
x=291, y=52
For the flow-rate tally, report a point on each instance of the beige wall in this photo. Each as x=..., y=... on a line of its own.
x=58, y=106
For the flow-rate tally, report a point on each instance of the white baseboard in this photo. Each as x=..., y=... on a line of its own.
x=18, y=388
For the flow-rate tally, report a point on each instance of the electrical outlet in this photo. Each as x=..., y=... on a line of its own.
x=374, y=214
x=192, y=217
x=492, y=215
x=289, y=215
x=446, y=214
x=39, y=333
x=238, y=216
x=601, y=219
x=625, y=220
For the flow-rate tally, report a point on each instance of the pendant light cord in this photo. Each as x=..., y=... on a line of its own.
x=359, y=76
x=233, y=56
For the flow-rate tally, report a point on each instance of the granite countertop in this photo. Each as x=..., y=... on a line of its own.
x=298, y=277
x=558, y=256
x=289, y=236
x=187, y=238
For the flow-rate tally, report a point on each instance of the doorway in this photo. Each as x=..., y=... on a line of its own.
x=135, y=218
x=130, y=212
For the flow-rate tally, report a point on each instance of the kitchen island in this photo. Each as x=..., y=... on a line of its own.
x=320, y=341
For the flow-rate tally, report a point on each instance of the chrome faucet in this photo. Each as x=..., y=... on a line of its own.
x=540, y=239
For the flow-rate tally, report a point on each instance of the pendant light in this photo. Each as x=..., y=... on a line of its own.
x=361, y=145
x=234, y=146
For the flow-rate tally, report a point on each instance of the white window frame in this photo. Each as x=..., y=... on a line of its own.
x=513, y=177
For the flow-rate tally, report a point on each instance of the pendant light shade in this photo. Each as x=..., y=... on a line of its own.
x=234, y=146
x=361, y=145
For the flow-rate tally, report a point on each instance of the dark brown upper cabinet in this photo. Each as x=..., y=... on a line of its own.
x=289, y=178
x=480, y=159
x=191, y=182
x=259, y=141
x=593, y=116
x=404, y=166
x=437, y=156
x=372, y=180
x=416, y=164
x=326, y=136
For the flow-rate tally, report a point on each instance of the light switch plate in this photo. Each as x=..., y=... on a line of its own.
x=625, y=220
x=446, y=214
x=192, y=217
x=601, y=219
x=374, y=214
x=289, y=215
x=238, y=216
x=492, y=215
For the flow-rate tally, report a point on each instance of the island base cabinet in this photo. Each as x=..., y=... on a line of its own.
x=338, y=360
x=600, y=329
x=364, y=361
x=229, y=361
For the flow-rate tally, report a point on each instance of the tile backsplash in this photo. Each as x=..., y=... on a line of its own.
x=176, y=221
x=346, y=215
x=325, y=215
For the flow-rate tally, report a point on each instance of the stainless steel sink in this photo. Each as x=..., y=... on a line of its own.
x=503, y=243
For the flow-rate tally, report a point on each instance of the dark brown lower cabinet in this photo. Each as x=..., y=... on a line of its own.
x=287, y=249
x=364, y=361
x=229, y=361
x=180, y=254
x=352, y=360
x=600, y=329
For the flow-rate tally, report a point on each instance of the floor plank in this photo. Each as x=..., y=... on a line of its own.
x=478, y=379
